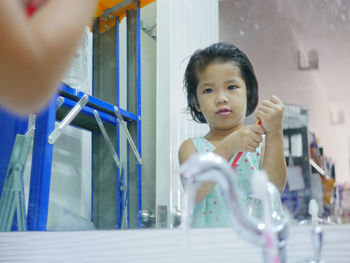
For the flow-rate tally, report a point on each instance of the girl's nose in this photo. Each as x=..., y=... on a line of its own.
x=221, y=98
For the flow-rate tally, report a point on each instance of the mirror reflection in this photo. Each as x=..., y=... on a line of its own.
x=116, y=161
x=297, y=58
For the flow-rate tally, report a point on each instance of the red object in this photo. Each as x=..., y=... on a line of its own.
x=31, y=8
x=234, y=163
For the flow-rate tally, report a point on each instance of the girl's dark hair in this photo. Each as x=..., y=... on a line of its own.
x=222, y=53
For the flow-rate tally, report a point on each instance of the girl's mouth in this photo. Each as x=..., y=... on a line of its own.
x=224, y=112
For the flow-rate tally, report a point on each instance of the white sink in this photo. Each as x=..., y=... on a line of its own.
x=216, y=245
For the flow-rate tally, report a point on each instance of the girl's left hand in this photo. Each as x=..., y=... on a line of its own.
x=270, y=112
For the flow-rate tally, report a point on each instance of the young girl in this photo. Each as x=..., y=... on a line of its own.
x=221, y=90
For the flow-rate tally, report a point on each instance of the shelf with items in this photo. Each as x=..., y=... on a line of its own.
x=342, y=206
x=296, y=195
x=307, y=176
x=323, y=190
x=309, y=172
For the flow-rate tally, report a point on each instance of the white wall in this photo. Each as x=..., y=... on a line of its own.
x=183, y=27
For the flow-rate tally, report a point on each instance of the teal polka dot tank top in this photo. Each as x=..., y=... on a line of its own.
x=212, y=212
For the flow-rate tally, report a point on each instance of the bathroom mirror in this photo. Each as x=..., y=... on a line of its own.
x=300, y=52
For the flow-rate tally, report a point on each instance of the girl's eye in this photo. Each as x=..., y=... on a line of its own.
x=232, y=87
x=206, y=91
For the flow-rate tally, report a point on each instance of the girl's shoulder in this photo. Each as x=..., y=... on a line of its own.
x=192, y=143
x=186, y=144
x=195, y=144
x=186, y=150
x=202, y=144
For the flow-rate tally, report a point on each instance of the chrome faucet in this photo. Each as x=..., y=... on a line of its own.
x=199, y=169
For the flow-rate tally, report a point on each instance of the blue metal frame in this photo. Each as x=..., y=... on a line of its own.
x=95, y=103
x=117, y=70
x=127, y=105
x=42, y=151
x=139, y=139
x=92, y=137
x=138, y=101
x=138, y=120
x=39, y=191
x=69, y=103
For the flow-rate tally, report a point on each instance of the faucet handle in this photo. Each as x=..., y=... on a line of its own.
x=317, y=240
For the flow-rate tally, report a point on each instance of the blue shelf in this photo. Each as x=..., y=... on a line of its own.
x=105, y=109
x=39, y=194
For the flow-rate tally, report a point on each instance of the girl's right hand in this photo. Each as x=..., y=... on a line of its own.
x=247, y=138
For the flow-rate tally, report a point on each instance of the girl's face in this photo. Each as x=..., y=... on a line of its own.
x=222, y=95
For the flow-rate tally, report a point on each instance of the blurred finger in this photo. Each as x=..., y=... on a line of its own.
x=260, y=115
x=251, y=149
x=275, y=99
x=257, y=138
x=257, y=129
x=266, y=109
x=268, y=104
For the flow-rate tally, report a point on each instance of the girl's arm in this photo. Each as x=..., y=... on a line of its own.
x=186, y=151
x=36, y=52
x=273, y=161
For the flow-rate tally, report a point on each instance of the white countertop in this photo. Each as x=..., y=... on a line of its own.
x=163, y=245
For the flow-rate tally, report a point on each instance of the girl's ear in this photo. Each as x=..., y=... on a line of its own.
x=196, y=104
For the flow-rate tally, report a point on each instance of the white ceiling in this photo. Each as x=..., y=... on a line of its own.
x=323, y=25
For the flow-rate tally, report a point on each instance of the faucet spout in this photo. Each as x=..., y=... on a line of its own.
x=202, y=168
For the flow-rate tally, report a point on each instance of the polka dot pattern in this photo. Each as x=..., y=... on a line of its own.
x=212, y=211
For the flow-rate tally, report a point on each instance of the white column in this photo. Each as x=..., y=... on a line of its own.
x=183, y=26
